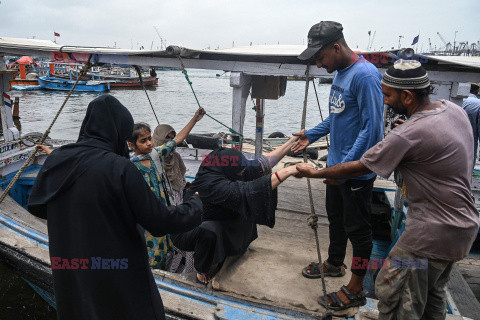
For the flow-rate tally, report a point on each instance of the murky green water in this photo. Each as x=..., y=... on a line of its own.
x=19, y=301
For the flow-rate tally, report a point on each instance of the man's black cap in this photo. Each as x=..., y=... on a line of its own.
x=474, y=87
x=319, y=35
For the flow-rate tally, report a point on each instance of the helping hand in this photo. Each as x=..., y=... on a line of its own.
x=199, y=114
x=301, y=143
x=305, y=170
x=44, y=149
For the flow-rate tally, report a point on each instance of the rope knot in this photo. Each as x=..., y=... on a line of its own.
x=312, y=221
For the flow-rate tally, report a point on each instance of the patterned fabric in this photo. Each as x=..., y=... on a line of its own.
x=412, y=287
x=160, y=249
x=182, y=261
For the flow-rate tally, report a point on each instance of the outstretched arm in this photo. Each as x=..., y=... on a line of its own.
x=312, y=135
x=276, y=155
x=283, y=174
x=185, y=131
x=344, y=170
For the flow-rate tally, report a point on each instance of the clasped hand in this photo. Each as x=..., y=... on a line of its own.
x=308, y=170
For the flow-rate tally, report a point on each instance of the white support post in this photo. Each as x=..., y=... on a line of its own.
x=10, y=132
x=259, y=127
x=240, y=83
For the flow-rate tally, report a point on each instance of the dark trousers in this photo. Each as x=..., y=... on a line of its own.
x=349, y=207
x=206, y=242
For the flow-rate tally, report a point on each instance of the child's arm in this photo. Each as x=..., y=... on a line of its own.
x=276, y=155
x=151, y=213
x=185, y=131
x=165, y=149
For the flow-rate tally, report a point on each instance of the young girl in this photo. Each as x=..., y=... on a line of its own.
x=149, y=161
x=173, y=164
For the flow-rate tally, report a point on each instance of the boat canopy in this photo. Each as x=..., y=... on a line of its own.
x=25, y=60
x=280, y=60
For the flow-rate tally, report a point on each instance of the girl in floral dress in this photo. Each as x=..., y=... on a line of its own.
x=149, y=161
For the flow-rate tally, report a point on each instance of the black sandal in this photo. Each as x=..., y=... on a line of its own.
x=332, y=271
x=356, y=300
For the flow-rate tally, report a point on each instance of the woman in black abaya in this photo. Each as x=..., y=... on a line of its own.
x=237, y=194
x=93, y=197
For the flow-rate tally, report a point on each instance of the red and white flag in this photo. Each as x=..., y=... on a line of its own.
x=56, y=34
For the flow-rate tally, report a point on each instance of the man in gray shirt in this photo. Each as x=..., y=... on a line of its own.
x=433, y=150
x=471, y=105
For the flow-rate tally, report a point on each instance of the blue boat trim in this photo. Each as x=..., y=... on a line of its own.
x=47, y=296
x=229, y=309
x=25, y=231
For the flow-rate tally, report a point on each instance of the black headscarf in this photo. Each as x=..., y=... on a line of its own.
x=107, y=125
x=106, y=128
x=218, y=169
x=226, y=194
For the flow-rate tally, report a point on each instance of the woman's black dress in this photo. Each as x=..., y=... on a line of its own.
x=94, y=198
x=233, y=206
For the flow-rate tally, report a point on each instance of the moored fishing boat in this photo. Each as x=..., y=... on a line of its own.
x=51, y=83
x=263, y=283
x=116, y=81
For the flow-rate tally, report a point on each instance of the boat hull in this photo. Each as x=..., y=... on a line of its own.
x=115, y=81
x=134, y=83
x=48, y=83
x=24, y=82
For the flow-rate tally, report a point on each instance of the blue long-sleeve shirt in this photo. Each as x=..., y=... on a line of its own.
x=472, y=106
x=355, y=122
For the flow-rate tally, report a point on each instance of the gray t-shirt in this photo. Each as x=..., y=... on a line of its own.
x=434, y=152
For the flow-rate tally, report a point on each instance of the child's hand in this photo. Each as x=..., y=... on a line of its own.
x=199, y=114
x=44, y=149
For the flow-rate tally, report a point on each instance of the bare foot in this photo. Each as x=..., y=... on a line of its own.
x=202, y=278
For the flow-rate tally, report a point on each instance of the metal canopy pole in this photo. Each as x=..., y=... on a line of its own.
x=260, y=108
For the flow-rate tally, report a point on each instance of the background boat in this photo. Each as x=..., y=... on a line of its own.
x=51, y=83
x=116, y=81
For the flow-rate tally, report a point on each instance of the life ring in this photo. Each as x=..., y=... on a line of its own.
x=65, y=84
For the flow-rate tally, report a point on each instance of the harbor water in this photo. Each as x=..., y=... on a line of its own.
x=174, y=104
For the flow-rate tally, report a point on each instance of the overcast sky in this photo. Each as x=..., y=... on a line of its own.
x=213, y=23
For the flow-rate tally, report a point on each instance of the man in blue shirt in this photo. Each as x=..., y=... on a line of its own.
x=472, y=106
x=355, y=124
